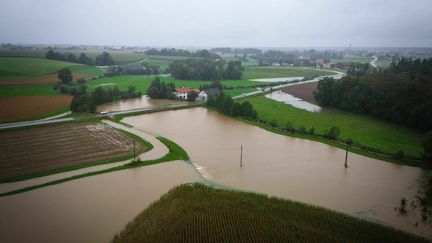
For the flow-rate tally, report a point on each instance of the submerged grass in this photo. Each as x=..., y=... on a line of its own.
x=175, y=153
x=197, y=213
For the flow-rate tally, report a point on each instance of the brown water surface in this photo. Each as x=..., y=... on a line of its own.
x=286, y=167
x=135, y=103
x=91, y=209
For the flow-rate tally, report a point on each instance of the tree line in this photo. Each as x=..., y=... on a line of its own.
x=402, y=93
x=183, y=53
x=84, y=101
x=139, y=69
x=227, y=106
x=160, y=90
x=205, y=69
x=101, y=60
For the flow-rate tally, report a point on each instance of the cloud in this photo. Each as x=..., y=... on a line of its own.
x=281, y=23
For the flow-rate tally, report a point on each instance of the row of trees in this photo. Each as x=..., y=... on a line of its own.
x=160, y=90
x=205, y=69
x=87, y=102
x=69, y=57
x=181, y=52
x=402, y=94
x=101, y=60
x=139, y=69
x=227, y=106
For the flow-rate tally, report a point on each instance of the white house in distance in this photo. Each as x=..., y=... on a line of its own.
x=203, y=95
x=182, y=92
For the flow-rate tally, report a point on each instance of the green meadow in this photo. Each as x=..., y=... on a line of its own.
x=14, y=68
x=364, y=130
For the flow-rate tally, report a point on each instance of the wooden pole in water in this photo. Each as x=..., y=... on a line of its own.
x=241, y=155
x=346, y=157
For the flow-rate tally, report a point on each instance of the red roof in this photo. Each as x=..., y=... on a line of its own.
x=183, y=90
x=186, y=90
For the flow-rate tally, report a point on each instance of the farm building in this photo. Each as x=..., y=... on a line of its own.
x=205, y=93
x=182, y=92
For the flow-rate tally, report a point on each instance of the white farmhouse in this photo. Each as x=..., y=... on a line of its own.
x=182, y=92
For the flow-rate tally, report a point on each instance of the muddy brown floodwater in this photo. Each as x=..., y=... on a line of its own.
x=135, y=103
x=90, y=209
x=286, y=167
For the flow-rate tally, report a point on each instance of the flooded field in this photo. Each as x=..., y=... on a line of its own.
x=91, y=209
x=294, y=101
x=135, y=103
x=39, y=149
x=286, y=167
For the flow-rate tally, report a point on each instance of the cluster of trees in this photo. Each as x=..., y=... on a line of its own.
x=402, y=93
x=251, y=51
x=160, y=90
x=296, y=58
x=87, y=102
x=69, y=57
x=102, y=60
x=183, y=53
x=269, y=57
x=227, y=106
x=205, y=69
x=139, y=69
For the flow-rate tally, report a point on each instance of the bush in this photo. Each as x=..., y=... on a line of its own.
x=273, y=123
x=333, y=133
x=312, y=130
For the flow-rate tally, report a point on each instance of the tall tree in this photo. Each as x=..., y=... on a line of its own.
x=65, y=75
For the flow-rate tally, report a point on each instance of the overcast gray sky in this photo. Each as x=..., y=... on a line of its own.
x=260, y=23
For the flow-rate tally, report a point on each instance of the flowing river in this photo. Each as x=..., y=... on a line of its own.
x=286, y=167
x=93, y=209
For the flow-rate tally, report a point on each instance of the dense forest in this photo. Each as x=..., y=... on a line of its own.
x=401, y=93
x=205, y=69
x=183, y=53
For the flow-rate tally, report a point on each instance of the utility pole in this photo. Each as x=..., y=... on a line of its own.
x=346, y=157
x=241, y=155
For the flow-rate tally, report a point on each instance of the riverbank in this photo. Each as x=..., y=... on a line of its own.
x=376, y=138
x=197, y=213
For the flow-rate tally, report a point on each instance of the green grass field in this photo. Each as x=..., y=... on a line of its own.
x=14, y=68
x=281, y=72
x=368, y=131
x=197, y=213
x=142, y=82
x=29, y=90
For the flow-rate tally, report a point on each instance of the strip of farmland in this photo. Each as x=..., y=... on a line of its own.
x=34, y=150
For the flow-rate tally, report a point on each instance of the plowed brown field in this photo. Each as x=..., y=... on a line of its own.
x=33, y=150
x=22, y=107
x=302, y=91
